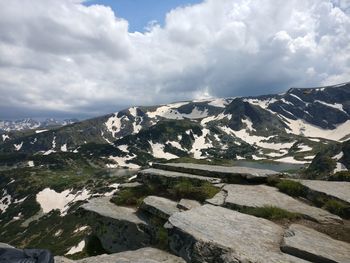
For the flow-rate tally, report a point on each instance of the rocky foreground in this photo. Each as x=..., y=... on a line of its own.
x=197, y=213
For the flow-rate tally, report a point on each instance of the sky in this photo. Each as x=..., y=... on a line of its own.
x=76, y=58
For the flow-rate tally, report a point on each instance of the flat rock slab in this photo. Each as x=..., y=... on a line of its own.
x=216, y=234
x=105, y=208
x=311, y=245
x=4, y=245
x=263, y=195
x=339, y=190
x=159, y=206
x=143, y=255
x=187, y=204
x=118, y=228
x=165, y=177
x=230, y=173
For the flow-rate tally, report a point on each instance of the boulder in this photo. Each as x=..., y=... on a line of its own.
x=159, y=206
x=118, y=228
x=187, y=204
x=167, y=177
x=216, y=234
x=143, y=255
x=263, y=195
x=306, y=243
x=228, y=173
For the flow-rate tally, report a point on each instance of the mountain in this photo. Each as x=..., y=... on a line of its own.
x=289, y=127
x=31, y=124
x=47, y=173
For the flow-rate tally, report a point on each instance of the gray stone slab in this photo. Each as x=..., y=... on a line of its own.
x=165, y=177
x=339, y=190
x=143, y=255
x=216, y=234
x=226, y=172
x=263, y=195
x=159, y=206
x=311, y=245
x=118, y=228
x=187, y=204
x=4, y=245
x=105, y=208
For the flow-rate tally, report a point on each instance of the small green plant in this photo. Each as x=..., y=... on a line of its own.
x=338, y=208
x=292, y=188
x=186, y=189
x=340, y=176
x=269, y=212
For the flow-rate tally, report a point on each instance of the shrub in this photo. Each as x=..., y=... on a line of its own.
x=340, y=176
x=292, y=188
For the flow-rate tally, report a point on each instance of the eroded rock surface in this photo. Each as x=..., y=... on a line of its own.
x=263, y=195
x=339, y=190
x=230, y=173
x=187, y=204
x=118, y=228
x=311, y=245
x=167, y=177
x=143, y=255
x=216, y=234
x=159, y=206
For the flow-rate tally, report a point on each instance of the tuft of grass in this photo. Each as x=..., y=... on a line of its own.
x=292, y=188
x=340, y=176
x=269, y=212
x=338, y=208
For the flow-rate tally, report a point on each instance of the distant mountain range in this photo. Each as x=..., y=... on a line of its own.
x=30, y=124
x=289, y=127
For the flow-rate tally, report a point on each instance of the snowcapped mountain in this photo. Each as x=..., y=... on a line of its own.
x=289, y=127
x=31, y=124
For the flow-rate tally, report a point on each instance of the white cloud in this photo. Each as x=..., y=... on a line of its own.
x=60, y=55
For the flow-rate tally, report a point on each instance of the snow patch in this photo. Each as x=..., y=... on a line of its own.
x=290, y=159
x=338, y=156
x=336, y=106
x=115, y=189
x=77, y=248
x=121, y=162
x=5, y=137
x=200, y=144
x=301, y=127
x=18, y=146
x=339, y=168
x=64, y=147
x=80, y=229
x=31, y=164
x=220, y=103
x=40, y=131
x=51, y=200
x=158, y=151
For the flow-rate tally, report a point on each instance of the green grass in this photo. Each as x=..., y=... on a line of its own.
x=183, y=189
x=292, y=188
x=340, y=176
x=338, y=208
x=269, y=212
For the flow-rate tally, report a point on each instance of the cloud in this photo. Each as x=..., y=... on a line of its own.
x=62, y=57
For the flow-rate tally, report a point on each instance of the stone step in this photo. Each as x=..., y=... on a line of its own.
x=143, y=255
x=311, y=245
x=166, y=177
x=158, y=206
x=118, y=228
x=262, y=195
x=337, y=190
x=229, y=174
x=216, y=234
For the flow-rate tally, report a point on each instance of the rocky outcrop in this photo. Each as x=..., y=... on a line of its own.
x=129, y=185
x=337, y=190
x=160, y=207
x=118, y=228
x=215, y=234
x=238, y=196
x=143, y=255
x=163, y=177
x=230, y=174
x=187, y=204
x=311, y=245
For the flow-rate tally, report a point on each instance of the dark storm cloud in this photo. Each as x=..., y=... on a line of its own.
x=62, y=58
